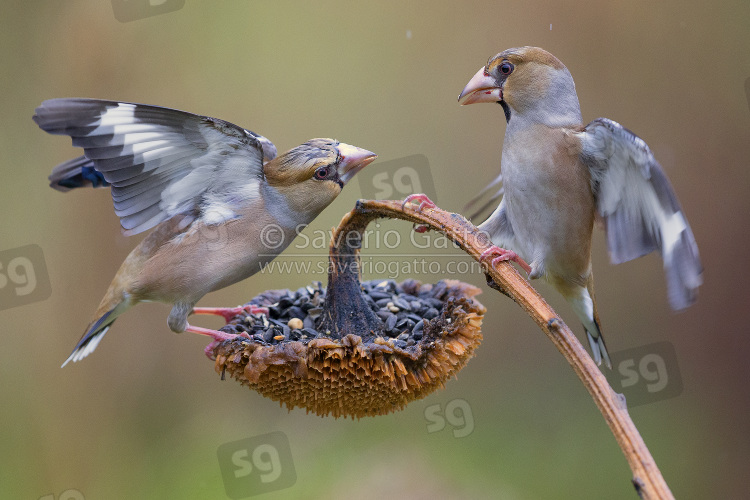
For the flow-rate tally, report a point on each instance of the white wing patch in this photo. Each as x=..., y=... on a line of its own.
x=217, y=212
x=672, y=227
x=121, y=114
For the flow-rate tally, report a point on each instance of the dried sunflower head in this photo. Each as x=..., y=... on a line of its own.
x=418, y=336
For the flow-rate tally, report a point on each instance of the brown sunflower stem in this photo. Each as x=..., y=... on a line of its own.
x=345, y=243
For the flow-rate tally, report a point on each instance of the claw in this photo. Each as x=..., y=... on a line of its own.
x=502, y=255
x=422, y=202
x=217, y=335
x=209, y=350
x=421, y=199
x=229, y=313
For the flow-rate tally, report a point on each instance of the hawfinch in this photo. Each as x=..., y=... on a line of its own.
x=219, y=199
x=559, y=176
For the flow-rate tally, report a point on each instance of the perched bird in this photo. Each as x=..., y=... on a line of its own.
x=219, y=199
x=558, y=176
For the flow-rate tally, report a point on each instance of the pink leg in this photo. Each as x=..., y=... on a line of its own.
x=216, y=335
x=230, y=312
x=501, y=255
x=421, y=199
x=422, y=202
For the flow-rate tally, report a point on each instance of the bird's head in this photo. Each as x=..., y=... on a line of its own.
x=526, y=80
x=313, y=174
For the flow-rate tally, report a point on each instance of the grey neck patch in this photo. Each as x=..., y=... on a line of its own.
x=280, y=210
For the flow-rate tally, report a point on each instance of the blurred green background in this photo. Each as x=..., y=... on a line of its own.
x=143, y=417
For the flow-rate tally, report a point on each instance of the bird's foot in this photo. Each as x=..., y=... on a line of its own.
x=422, y=202
x=230, y=313
x=209, y=350
x=498, y=255
x=217, y=336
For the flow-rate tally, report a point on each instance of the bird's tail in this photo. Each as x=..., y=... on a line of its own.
x=584, y=305
x=107, y=313
x=75, y=173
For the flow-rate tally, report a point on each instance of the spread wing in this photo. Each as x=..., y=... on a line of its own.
x=639, y=207
x=160, y=162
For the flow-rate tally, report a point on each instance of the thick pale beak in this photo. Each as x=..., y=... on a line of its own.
x=481, y=88
x=353, y=159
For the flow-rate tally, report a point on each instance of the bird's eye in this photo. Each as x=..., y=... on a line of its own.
x=322, y=173
x=506, y=68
